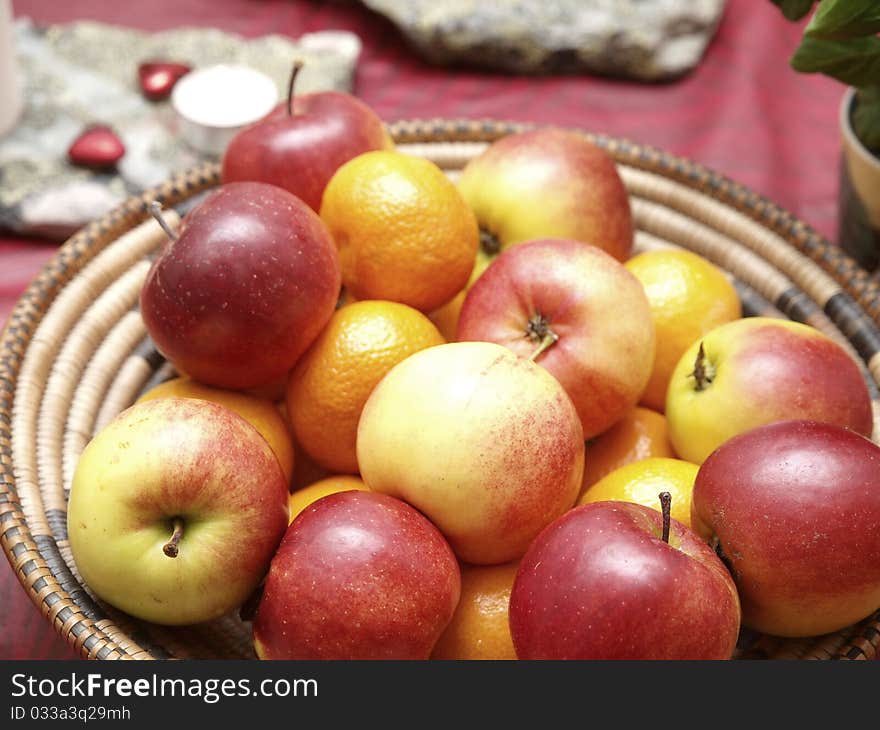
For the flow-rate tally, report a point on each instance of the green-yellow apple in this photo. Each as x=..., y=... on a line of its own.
x=358, y=575
x=176, y=508
x=759, y=370
x=485, y=443
x=794, y=509
x=549, y=299
x=548, y=182
x=608, y=580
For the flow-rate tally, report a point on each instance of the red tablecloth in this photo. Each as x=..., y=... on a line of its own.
x=742, y=112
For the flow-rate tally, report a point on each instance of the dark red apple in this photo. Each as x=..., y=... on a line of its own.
x=358, y=575
x=550, y=299
x=600, y=582
x=245, y=287
x=794, y=508
x=303, y=141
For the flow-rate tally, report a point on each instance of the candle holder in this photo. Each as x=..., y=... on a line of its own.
x=214, y=103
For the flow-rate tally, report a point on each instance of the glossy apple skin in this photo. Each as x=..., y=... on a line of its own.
x=166, y=458
x=599, y=583
x=485, y=443
x=795, y=508
x=261, y=413
x=244, y=290
x=549, y=183
x=602, y=361
x=358, y=575
x=300, y=152
x=765, y=370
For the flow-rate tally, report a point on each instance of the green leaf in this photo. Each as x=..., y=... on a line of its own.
x=866, y=117
x=847, y=19
x=855, y=62
x=794, y=9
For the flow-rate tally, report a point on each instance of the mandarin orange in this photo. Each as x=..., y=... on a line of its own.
x=332, y=381
x=403, y=230
x=641, y=433
x=479, y=627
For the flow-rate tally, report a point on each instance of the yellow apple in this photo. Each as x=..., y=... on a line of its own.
x=485, y=443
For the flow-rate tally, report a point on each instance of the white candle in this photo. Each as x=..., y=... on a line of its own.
x=214, y=103
x=10, y=90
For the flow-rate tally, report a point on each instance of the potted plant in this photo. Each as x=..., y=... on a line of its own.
x=841, y=41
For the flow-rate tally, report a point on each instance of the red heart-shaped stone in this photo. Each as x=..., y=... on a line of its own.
x=157, y=78
x=97, y=147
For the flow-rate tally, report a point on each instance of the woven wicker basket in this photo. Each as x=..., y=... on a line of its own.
x=75, y=353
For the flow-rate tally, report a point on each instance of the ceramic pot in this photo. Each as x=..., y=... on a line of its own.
x=859, y=195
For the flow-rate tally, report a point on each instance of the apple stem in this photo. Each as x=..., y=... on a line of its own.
x=297, y=65
x=703, y=372
x=489, y=242
x=666, y=509
x=156, y=212
x=548, y=340
x=170, y=548
x=538, y=330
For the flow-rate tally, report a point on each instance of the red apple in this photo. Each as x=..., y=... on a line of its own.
x=758, y=370
x=550, y=299
x=794, y=507
x=303, y=141
x=358, y=575
x=245, y=287
x=548, y=182
x=600, y=582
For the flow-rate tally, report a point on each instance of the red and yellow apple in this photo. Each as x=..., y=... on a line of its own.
x=485, y=443
x=600, y=582
x=548, y=183
x=759, y=370
x=358, y=575
x=261, y=413
x=551, y=300
x=794, y=509
x=176, y=508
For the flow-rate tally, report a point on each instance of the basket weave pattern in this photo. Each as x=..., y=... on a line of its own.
x=75, y=352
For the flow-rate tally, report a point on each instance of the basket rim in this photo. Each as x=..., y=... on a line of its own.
x=83, y=245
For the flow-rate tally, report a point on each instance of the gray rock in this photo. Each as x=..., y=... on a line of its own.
x=648, y=40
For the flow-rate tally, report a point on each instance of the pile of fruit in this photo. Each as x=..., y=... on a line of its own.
x=422, y=416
